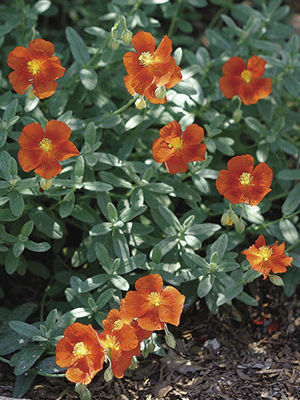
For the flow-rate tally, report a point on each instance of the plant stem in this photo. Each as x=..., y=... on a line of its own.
x=135, y=7
x=4, y=360
x=293, y=245
x=51, y=375
x=174, y=18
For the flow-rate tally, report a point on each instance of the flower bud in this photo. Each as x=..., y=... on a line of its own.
x=45, y=184
x=237, y=115
x=108, y=374
x=226, y=219
x=113, y=44
x=126, y=36
x=160, y=92
x=140, y=103
x=170, y=340
x=29, y=93
x=240, y=226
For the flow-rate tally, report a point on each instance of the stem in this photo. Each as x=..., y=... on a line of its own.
x=4, y=360
x=264, y=226
x=135, y=7
x=173, y=22
x=123, y=108
x=44, y=299
x=51, y=375
x=293, y=246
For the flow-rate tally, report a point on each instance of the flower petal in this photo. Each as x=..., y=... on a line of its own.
x=149, y=283
x=172, y=305
x=234, y=66
x=175, y=77
x=194, y=152
x=49, y=167
x=31, y=136
x=120, y=362
x=230, y=85
x=262, y=175
x=18, y=58
x=161, y=151
x=262, y=87
x=53, y=69
x=193, y=134
x=42, y=87
x=176, y=164
x=239, y=164
x=19, y=82
x=248, y=94
x=132, y=63
x=135, y=304
x=164, y=50
x=64, y=353
x=142, y=80
x=143, y=41
x=127, y=81
x=41, y=47
x=29, y=159
x=57, y=131
x=150, y=321
x=126, y=337
x=257, y=66
x=171, y=130
x=260, y=241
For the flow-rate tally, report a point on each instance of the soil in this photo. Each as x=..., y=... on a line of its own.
x=243, y=353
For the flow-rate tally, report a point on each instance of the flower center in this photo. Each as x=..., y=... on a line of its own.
x=176, y=143
x=154, y=298
x=245, y=178
x=46, y=145
x=146, y=58
x=80, y=350
x=118, y=324
x=110, y=342
x=246, y=75
x=34, y=66
x=265, y=252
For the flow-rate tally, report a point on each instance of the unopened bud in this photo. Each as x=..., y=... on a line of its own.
x=127, y=36
x=140, y=103
x=45, y=184
x=114, y=33
x=108, y=374
x=276, y=279
x=133, y=364
x=227, y=219
x=29, y=93
x=240, y=226
x=113, y=44
x=86, y=395
x=237, y=115
x=170, y=340
x=160, y=92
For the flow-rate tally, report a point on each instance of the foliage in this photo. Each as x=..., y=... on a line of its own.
x=114, y=214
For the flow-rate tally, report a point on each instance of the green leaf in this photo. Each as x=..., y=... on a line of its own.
x=67, y=204
x=97, y=186
x=292, y=201
x=18, y=249
x=130, y=213
x=289, y=174
x=23, y=383
x=10, y=110
x=27, y=228
x=49, y=366
x=93, y=283
x=16, y=203
x=289, y=231
x=11, y=262
x=219, y=246
x=169, y=217
x=26, y=357
x=205, y=284
x=24, y=329
x=37, y=247
x=247, y=299
x=42, y=6
x=101, y=229
x=77, y=46
x=102, y=254
x=120, y=283
x=120, y=245
x=88, y=78
x=46, y=224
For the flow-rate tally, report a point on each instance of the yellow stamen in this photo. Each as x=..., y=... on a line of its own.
x=154, y=298
x=46, y=145
x=245, y=178
x=246, y=75
x=118, y=324
x=80, y=350
x=265, y=252
x=110, y=342
x=146, y=58
x=34, y=66
x=176, y=143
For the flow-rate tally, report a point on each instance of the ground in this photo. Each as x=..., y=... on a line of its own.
x=258, y=358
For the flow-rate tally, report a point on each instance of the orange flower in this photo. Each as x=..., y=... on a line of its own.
x=247, y=83
x=243, y=184
x=81, y=352
x=149, y=69
x=177, y=150
x=41, y=149
x=265, y=258
x=119, y=341
x=152, y=305
x=37, y=66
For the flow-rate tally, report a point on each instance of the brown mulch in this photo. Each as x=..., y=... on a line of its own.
x=216, y=357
